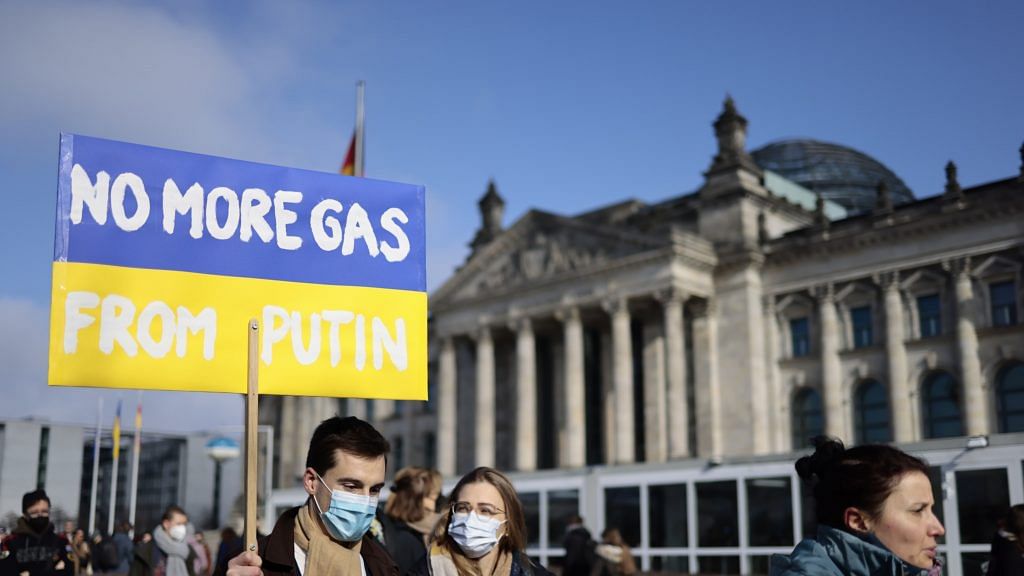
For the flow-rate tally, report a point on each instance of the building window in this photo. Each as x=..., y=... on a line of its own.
x=800, y=333
x=666, y=508
x=622, y=511
x=871, y=410
x=398, y=452
x=561, y=505
x=807, y=418
x=941, y=399
x=44, y=456
x=1004, y=303
x=1010, y=398
x=929, y=314
x=981, y=496
x=769, y=511
x=862, y=329
x=717, y=515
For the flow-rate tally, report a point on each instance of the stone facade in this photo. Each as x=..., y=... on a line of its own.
x=710, y=324
x=646, y=333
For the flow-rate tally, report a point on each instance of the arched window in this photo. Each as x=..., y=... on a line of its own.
x=1010, y=398
x=807, y=417
x=940, y=398
x=871, y=413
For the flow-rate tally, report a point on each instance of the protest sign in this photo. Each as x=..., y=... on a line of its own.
x=161, y=257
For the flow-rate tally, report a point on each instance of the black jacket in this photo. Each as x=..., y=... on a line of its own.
x=46, y=554
x=278, y=551
x=579, y=552
x=1007, y=558
x=403, y=542
x=146, y=557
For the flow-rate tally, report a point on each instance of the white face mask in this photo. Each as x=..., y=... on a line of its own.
x=177, y=532
x=474, y=535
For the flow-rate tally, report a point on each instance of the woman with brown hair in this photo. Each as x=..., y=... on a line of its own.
x=483, y=531
x=874, y=506
x=1008, y=545
x=614, y=556
x=409, y=516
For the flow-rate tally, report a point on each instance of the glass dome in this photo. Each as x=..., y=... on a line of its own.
x=840, y=174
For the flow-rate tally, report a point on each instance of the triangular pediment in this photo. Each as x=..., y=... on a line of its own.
x=540, y=247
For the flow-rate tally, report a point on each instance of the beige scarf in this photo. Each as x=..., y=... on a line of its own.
x=442, y=564
x=324, y=556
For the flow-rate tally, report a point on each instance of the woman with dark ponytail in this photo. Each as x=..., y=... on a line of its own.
x=874, y=510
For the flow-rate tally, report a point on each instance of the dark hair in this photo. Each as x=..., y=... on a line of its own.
x=1014, y=524
x=31, y=498
x=171, y=511
x=412, y=485
x=349, y=434
x=861, y=477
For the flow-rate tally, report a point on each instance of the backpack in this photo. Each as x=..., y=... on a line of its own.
x=107, y=556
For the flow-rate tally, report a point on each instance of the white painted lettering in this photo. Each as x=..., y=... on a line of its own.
x=116, y=315
x=327, y=241
x=387, y=221
x=206, y=322
x=74, y=319
x=358, y=226
x=304, y=355
x=157, y=348
x=191, y=202
x=84, y=193
x=335, y=318
x=275, y=328
x=129, y=181
x=284, y=216
x=395, y=347
x=255, y=207
x=216, y=229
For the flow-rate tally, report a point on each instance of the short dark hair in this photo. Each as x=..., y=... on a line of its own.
x=171, y=511
x=349, y=434
x=31, y=498
x=861, y=477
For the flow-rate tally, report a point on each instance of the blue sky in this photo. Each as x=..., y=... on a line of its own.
x=567, y=105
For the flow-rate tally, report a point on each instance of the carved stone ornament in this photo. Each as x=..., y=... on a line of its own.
x=545, y=255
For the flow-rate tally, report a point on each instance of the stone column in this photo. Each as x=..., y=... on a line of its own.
x=622, y=370
x=903, y=429
x=446, y=413
x=485, y=426
x=678, y=405
x=708, y=389
x=778, y=407
x=526, y=394
x=655, y=401
x=575, y=447
x=975, y=407
x=831, y=376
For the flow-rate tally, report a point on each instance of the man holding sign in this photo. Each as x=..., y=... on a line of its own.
x=345, y=469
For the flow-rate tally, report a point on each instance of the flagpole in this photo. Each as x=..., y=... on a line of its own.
x=95, y=467
x=360, y=117
x=136, y=451
x=116, y=436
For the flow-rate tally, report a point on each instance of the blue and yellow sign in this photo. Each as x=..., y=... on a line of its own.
x=161, y=257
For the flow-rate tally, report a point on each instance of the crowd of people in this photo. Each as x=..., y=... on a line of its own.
x=873, y=503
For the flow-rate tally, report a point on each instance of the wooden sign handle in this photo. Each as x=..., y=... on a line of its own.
x=252, y=413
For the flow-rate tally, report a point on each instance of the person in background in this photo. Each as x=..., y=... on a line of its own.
x=229, y=547
x=345, y=470
x=579, y=548
x=125, y=548
x=1007, y=557
x=409, y=515
x=34, y=548
x=874, y=509
x=614, y=556
x=166, y=553
x=483, y=531
x=202, y=562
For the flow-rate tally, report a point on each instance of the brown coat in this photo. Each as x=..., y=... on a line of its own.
x=278, y=551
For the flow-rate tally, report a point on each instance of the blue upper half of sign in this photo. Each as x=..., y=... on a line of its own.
x=387, y=208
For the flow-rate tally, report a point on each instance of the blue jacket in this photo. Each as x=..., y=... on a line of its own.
x=838, y=553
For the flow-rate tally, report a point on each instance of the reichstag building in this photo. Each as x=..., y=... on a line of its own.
x=655, y=367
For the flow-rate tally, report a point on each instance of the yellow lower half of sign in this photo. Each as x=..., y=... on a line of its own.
x=116, y=327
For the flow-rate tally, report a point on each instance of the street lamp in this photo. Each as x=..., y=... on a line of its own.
x=220, y=449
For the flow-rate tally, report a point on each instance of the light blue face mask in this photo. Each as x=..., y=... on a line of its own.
x=349, y=515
